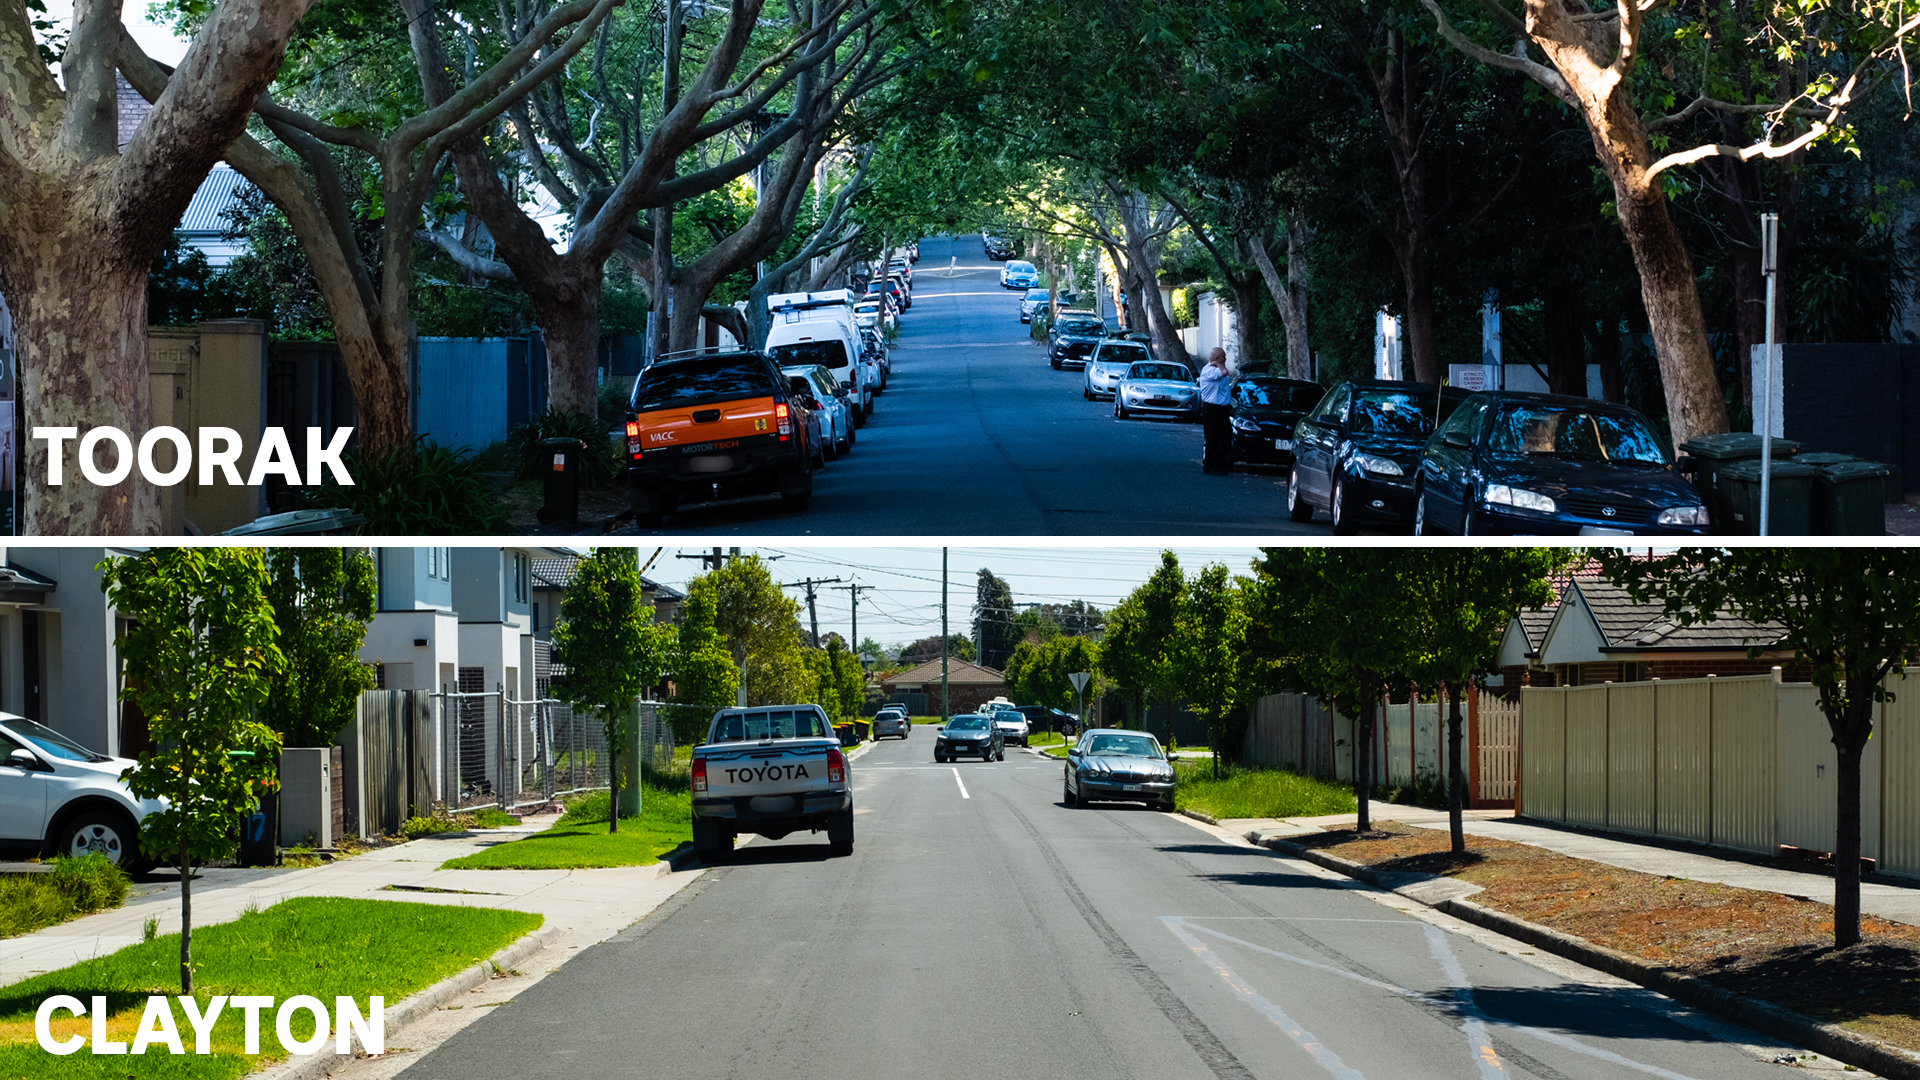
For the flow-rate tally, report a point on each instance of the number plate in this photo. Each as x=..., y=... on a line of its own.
x=1133, y=787
x=1283, y=444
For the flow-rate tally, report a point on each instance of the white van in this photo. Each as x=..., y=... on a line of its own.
x=819, y=328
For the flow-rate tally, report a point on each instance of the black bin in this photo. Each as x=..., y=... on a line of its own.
x=1849, y=495
x=1711, y=452
x=560, y=480
x=1791, y=499
x=260, y=833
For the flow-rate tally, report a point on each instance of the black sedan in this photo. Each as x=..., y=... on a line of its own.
x=1266, y=409
x=969, y=735
x=1108, y=763
x=1356, y=453
x=1509, y=462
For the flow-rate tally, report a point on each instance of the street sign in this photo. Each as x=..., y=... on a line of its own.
x=1080, y=681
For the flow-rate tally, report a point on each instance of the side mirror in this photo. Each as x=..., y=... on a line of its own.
x=1687, y=465
x=1456, y=440
x=23, y=758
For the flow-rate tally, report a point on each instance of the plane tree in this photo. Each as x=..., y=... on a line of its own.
x=84, y=219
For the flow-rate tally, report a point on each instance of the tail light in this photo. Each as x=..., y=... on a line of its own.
x=699, y=774
x=784, y=415
x=836, y=767
x=633, y=438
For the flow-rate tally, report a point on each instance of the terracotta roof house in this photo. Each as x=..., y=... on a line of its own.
x=551, y=576
x=1594, y=633
x=970, y=684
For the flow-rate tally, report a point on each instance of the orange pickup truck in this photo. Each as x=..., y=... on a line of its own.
x=714, y=425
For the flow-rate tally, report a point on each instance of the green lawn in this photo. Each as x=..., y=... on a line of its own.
x=75, y=887
x=1253, y=793
x=581, y=840
x=323, y=946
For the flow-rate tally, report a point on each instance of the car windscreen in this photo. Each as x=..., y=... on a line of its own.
x=831, y=353
x=1122, y=354
x=1017, y=267
x=1391, y=412
x=968, y=723
x=1036, y=294
x=1083, y=326
x=1279, y=395
x=1123, y=746
x=681, y=383
x=52, y=743
x=1172, y=372
x=1572, y=432
x=772, y=724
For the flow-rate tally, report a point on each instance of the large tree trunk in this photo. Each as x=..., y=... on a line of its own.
x=1407, y=231
x=1422, y=322
x=1850, y=734
x=81, y=327
x=1246, y=319
x=1289, y=295
x=1144, y=242
x=1363, y=755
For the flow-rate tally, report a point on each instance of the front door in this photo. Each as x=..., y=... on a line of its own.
x=23, y=798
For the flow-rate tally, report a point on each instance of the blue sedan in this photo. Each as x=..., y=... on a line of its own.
x=1546, y=464
x=1019, y=274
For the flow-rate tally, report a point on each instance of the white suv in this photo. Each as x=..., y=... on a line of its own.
x=58, y=797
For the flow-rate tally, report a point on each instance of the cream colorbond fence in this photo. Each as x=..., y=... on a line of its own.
x=1743, y=763
x=1297, y=732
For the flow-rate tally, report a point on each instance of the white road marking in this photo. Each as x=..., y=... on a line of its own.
x=962, y=783
x=1328, y=1060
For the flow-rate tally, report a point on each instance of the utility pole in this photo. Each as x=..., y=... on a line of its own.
x=853, y=596
x=946, y=702
x=716, y=560
x=663, y=216
x=1769, y=265
x=812, y=614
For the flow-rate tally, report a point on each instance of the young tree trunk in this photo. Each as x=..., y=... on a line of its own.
x=1457, y=776
x=1363, y=756
x=1246, y=319
x=1422, y=321
x=1289, y=295
x=80, y=319
x=186, y=920
x=1850, y=740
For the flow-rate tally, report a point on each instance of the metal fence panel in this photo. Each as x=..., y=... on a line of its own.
x=1586, y=741
x=1543, y=750
x=1898, y=732
x=1396, y=744
x=1429, y=742
x=1745, y=738
x=1808, y=777
x=1632, y=741
x=1683, y=773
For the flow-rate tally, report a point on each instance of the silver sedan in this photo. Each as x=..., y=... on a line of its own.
x=1108, y=365
x=1107, y=763
x=1156, y=388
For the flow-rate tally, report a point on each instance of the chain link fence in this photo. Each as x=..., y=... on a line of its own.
x=499, y=751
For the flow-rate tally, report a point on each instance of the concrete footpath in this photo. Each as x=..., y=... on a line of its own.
x=1893, y=902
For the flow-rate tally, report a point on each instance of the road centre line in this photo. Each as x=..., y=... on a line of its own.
x=962, y=783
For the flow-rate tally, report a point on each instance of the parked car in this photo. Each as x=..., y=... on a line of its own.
x=891, y=721
x=834, y=401
x=1031, y=303
x=1511, y=462
x=706, y=423
x=60, y=798
x=1011, y=724
x=904, y=268
x=770, y=770
x=998, y=247
x=1019, y=274
x=871, y=343
x=913, y=251
x=903, y=290
x=1108, y=763
x=1108, y=364
x=969, y=735
x=876, y=312
x=1356, y=453
x=1072, y=338
x=1156, y=388
x=888, y=288
x=1266, y=410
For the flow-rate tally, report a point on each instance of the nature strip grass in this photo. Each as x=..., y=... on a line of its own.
x=1764, y=945
x=323, y=946
x=74, y=887
x=580, y=840
x=1257, y=793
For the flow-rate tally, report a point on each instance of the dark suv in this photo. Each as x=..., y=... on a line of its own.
x=715, y=424
x=1072, y=338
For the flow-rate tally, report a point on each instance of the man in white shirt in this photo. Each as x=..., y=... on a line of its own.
x=1216, y=401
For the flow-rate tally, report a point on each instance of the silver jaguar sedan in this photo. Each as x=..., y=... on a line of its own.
x=1156, y=388
x=1108, y=365
x=1109, y=763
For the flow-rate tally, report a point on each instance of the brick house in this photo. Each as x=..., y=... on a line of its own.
x=1595, y=633
x=919, y=687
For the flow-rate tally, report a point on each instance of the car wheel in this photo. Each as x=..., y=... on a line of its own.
x=1467, y=523
x=1066, y=792
x=1119, y=410
x=939, y=758
x=1086, y=391
x=840, y=833
x=710, y=841
x=99, y=832
x=1343, y=524
x=1298, y=508
x=1055, y=361
x=1422, y=526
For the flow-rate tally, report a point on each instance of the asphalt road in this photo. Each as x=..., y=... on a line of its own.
x=976, y=435
x=983, y=929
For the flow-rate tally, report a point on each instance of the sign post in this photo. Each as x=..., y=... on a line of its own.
x=1080, y=680
x=1769, y=265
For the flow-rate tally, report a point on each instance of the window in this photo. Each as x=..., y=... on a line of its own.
x=521, y=572
x=433, y=563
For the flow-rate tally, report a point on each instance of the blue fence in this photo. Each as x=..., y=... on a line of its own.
x=470, y=391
